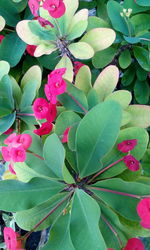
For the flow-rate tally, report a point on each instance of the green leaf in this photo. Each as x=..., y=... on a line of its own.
x=29, y=218
x=9, y=12
x=96, y=134
x=78, y=24
x=41, y=32
x=16, y=90
x=12, y=49
x=124, y=97
x=106, y=81
x=99, y=38
x=143, y=2
x=83, y=79
x=29, y=93
x=74, y=99
x=118, y=22
x=65, y=62
x=4, y=68
x=67, y=176
x=33, y=73
x=19, y=196
x=85, y=212
x=140, y=115
x=93, y=98
x=64, y=120
x=54, y=154
x=104, y=57
x=6, y=122
x=141, y=22
x=49, y=61
x=132, y=40
x=96, y=22
x=125, y=134
x=117, y=201
x=2, y=23
x=128, y=76
x=6, y=97
x=81, y=50
x=141, y=92
x=142, y=56
x=60, y=234
x=134, y=6
x=125, y=59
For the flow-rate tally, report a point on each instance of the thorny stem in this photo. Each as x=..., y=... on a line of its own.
x=104, y=169
x=78, y=103
x=51, y=211
x=36, y=155
x=116, y=192
x=112, y=229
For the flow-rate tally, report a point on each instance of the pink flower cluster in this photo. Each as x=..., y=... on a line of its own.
x=143, y=210
x=11, y=239
x=16, y=149
x=125, y=147
x=56, y=8
x=1, y=38
x=55, y=85
x=45, y=110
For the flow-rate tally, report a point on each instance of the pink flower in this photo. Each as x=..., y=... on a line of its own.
x=9, y=131
x=110, y=249
x=65, y=135
x=45, y=129
x=52, y=112
x=127, y=145
x=10, y=237
x=34, y=6
x=44, y=22
x=31, y=49
x=131, y=163
x=56, y=8
x=9, y=140
x=24, y=139
x=40, y=108
x=18, y=154
x=143, y=210
x=77, y=66
x=134, y=244
x=55, y=81
x=51, y=97
x=1, y=38
x=6, y=153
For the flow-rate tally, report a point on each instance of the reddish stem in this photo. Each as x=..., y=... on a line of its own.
x=25, y=114
x=36, y=155
x=104, y=169
x=116, y=192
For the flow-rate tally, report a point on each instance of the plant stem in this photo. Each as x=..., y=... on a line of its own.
x=116, y=192
x=24, y=114
x=58, y=28
x=8, y=30
x=51, y=211
x=128, y=25
x=78, y=103
x=36, y=155
x=104, y=169
x=113, y=230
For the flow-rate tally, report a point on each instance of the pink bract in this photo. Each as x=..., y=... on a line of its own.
x=6, y=153
x=31, y=49
x=77, y=66
x=9, y=140
x=134, y=244
x=11, y=168
x=1, y=38
x=24, y=139
x=44, y=22
x=56, y=83
x=65, y=135
x=143, y=210
x=34, y=6
x=8, y=131
x=52, y=112
x=56, y=8
x=45, y=129
x=127, y=145
x=10, y=237
x=50, y=97
x=40, y=108
x=18, y=154
x=131, y=163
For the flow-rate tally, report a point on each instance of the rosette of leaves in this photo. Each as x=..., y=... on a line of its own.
x=64, y=36
x=16, y=99
x=58, y=187
x=130, y=52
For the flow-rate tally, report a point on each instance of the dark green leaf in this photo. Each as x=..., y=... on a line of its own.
x=141, y=92
x=6, y=122
x=104, y=57
x=142, y=56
